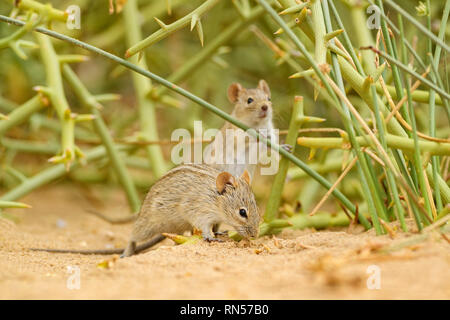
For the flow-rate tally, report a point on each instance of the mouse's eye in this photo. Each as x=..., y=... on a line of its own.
x=243, y=212
x=249, y=100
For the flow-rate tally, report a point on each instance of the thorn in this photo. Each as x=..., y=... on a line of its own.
x=367, y=82
x=302, y=16
x=333, y=34
x=294, y=9
x=43, y=90
x=194, y=21
x=161, y=24
x=316, y=93
x=378, y=72
x=312, y=153
x=200, y=31
x=169, y=7
x=302, y=74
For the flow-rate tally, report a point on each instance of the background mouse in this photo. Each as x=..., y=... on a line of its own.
x=253, y=107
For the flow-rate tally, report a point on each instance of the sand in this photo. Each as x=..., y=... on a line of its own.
x=304, y=264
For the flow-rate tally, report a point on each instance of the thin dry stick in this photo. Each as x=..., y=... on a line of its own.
x=334, y=186
x=414, y=46
x=340, y=131
x=160, y=142
x=399, y=117
x=340, y=46
x=430, y=196
x=403, y=100
x=345, y=156
x=437, y=224
x=377, y=144
x=408, y=206
x=373, y=156
x=377, y=58
x=445, y=167
x=361, y=121
x=272, y=45
x=388, y=228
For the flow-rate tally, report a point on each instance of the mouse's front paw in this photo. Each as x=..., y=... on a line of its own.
x=212, y=239
x=221, y=233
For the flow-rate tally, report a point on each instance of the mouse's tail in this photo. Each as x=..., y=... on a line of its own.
x=121, y=220
x=101, y=251
x=150, y=243
x=139, y=248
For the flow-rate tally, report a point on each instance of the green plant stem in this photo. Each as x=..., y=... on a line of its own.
x=55, y=93
x=46, y=148
x=320, y=50
x=432, y=99
x=166, y=30
x=417, y=157
x=38, y=120
x=363, y=35
x=320, y=220
x=51, y=174
x=393, y=126
x=21, y=114
x=334, y=165
x=117, y=162
x=325, y=83
x=400, y=213
x=405, y=68
x=417, y=95
x=351, y=76
x=273, y=203
x=371, y=192
x=325, y=183
x=115, y=32
x=42, y=9
x=194, y=63
x=413, y=21
x=142, y=85
x=392, y=141
x=11, y=204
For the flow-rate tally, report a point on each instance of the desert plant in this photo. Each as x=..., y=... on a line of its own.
x=394, y=135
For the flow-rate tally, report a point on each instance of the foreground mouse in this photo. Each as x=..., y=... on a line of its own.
x=190, y=195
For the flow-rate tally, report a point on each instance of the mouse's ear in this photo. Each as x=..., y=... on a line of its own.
x=246, y=176
x=233, y=92
x=223, y=179
x=262, y=85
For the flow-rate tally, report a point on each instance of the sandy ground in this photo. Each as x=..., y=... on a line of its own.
x=295, y=265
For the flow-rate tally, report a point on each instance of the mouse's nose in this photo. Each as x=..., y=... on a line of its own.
x=264, y=108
